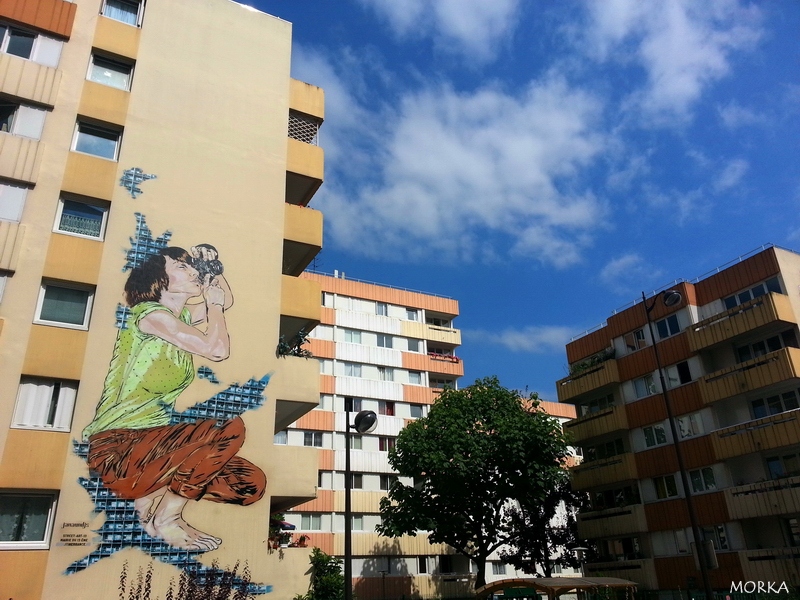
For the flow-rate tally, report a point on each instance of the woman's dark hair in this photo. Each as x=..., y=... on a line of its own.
x=147, y=281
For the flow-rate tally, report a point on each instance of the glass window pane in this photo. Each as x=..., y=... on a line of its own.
x=122, y=10
x=670, y=483
x=731, y=302
x=759, y=409
x=64, y=305
x=775, y=468
x=109, y=72
x=774, y=343
x=85, y=219
x=708, y=478
x=697, y=481
x=758, y=290
x=23, y=518
x=97, y=141
x=7, y=112
x=773, y=285
x=661, y=436
x=649, y=437
x=744, y=297
x=759, y=349
x=790, y=401
x=20, y=43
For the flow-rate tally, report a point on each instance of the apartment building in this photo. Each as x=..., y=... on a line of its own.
x=153, y=224
x=730, y=354
x=391, y=351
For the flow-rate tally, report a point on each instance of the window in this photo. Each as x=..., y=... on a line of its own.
x=771, y=285
x=678, y=374
x=352, y=369
x=556, y=569
x=18, y=119
x=385, y=407
x=17, y=41
x=126, y=11
x=12, y=201
x=596, y=405
x=352, y=336
x=415, y=377
x=64, y=306
x=412, y=314
x=793, y=530
x=357, y=523
x=45, y=403
x=668, y=327
x=787, y=465
x=352, y=404
x=762, y=347
x=356, y=442
x=654, y=435
x=356, y=481
x=387, y=481
x=384, y=341
x=690, y=425
x=110, y=72
x=422, y=564
x=311, y=522
x=97, y=140
x=605, y=450
x=414, y=345
x=616, y=497
x=82, y=218
x=26, y=520
x=386, y=443
x=281, y=438
x=438, y=322
x=702, y=479
x=446, y=563
x=681, y=542
x=644, y=386
x=386, y=373
x=381, y=308
x=774, y=405
x=3, y=278
x=440, y=383
x=635, y=340
x=718, y=535
x=327, y=299
x=665, y=486
x=312, y=438
x=416, y=411
x=498, y=568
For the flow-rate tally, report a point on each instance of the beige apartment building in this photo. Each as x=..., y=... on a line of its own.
x=731, y=361
x=141, y=148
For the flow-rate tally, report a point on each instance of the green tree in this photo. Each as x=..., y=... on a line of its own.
x=478, y=452
x=327, y=581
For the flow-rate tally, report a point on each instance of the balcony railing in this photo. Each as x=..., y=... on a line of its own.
x=775, y=431
x=599, y=423
x=618, y=521
x=741, y=319
x=764, y=499
x=771, y=564
x=604, y=471
x=606, y=373
x=760, y=372
x=303, y=128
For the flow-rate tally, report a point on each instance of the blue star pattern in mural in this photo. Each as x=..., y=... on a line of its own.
x=206, y=373
x=143, y=245
x=131, y=178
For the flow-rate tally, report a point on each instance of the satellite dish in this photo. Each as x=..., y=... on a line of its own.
x=365, y=421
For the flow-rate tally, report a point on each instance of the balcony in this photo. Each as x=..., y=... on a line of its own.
x=602, y=472
x=433, y=333
x=768, y=433
x=302, y=238
x=613, y=418
x=292, y=476
x=20, y=157
x=641, y=570
x=761, y=311
x=296, y=388
x=774, y=564
x=29, y=80
x=764, y=499
x=590, y=380
x=304, y=171
x=434, y=363
x=751, y=375
x=300, y=305
x=613, y=522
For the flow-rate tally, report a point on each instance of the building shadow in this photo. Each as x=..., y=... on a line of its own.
x=385, y=574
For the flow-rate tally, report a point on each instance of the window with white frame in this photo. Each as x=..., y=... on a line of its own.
x=689, y=425
x=668, y=327
x=785, y=339
x=357, y=523
x=381, y=308
x=64, y=305
x=356, y=481
x=111, y=72
x=415, y=377
x=385, y=443
x=644, y=386
x=281, y=438
x=422, y=565
x=386, y=407
x=353, y=336
x=654, y=435
x=82, y=217
x=438, y=321
x=416, y=411
x=770, y=285
x=386, y=481
x=30, y=45
x=678, y=374
x=12, y=201
x=386, y=373
x=773, y=405
x=325, y=366
x=311, y=522
x=595, y=405
x=352, y=404
x=439, y=383
x=312, y=438
x=352, y=369
x=681, y=541
x=26, y=520
x=356, y=442
x=498, y=568
x=384, y=340
x=786, y=465
x=44, y=404
x=412, y=314
x=702, y=479
x=665, y=486
x=22, y=120
x=125, y=11
x=414, y=345
x=98, y=140
x=327, y=299
x=635, y=340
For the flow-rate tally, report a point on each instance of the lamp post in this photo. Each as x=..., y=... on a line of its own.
x=671, y=298
x=580, y=554
x=364, y=422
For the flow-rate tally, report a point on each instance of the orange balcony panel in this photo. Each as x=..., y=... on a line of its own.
x=761, y=311
x=593, y=379
x=764, y=499
x=327, y=384
x=323, y=541
x=673, y=571
x=53, y=16
x=672, y=514
x=419, y=394
x=769, y=433
x=322, y=503
x=304, y=171
x=321, y=348
x=596, y=424
x=306, y=98
x=327, y=460
x=328, y=316
x=318, y=420
x=751, y=375
x=433, y=363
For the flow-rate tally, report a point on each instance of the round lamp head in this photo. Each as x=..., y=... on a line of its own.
x=671, y=297
x=365, y=422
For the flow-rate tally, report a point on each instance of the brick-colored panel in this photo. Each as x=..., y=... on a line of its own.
x=319, y=420
x=327, y=384
x=674, y=572
x=52, y=16
x=450, y=365
x=322, y=503
x=587, y=345
x=684, y=399
x=327, y=460
x=671, y=350
x=742, y=275
x=321, y=348
x=556, y=409
x=419, y=394
x=323, y=541
x=711, y=509
x=327, y=316
x=697, y=452
x=634, y=317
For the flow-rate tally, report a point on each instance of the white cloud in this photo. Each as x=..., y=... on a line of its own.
x=536, y=339
x=682, y=45
x=731, y=175
x=734, y=115
x=473, y=28
x=683, y=207
x=625, y=272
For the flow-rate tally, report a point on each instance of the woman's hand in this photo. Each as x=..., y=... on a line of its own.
x=213, y=294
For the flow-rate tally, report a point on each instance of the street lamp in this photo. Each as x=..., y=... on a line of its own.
x=364, y=422
x=671, y=298
x=580, y=555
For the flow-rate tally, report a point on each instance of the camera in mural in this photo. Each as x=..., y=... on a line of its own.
x=204, y=260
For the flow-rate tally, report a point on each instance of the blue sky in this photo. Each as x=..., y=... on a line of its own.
x=545, y=162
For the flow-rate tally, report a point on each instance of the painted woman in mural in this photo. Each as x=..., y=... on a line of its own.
x=133, y=445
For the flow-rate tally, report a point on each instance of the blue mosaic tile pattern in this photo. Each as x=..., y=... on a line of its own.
x=206, y=373
x=143, y=244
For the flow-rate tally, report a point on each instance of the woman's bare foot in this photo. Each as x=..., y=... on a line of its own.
x=167, y=524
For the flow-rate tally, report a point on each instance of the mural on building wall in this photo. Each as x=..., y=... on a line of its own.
x=147, y=460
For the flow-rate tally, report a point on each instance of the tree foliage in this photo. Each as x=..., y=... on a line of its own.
x=479, y=451
x=327, y=581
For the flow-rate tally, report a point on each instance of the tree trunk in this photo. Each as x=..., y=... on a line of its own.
x=480, y=578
